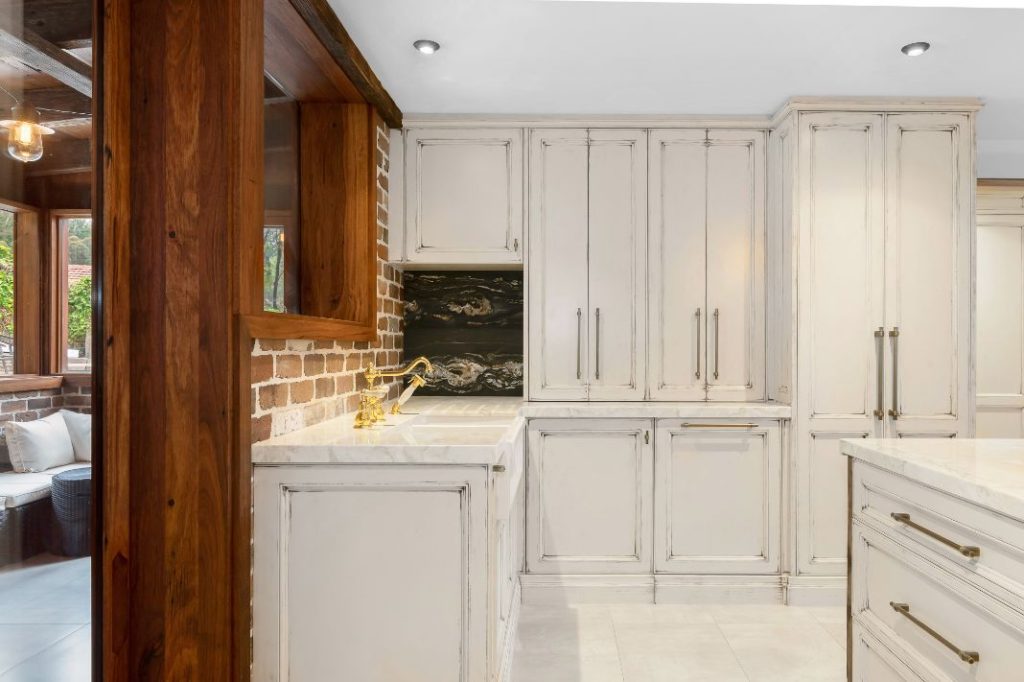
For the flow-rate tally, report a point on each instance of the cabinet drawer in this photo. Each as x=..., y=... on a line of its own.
x=979, y=545
x=956, y=629
x=874, y=662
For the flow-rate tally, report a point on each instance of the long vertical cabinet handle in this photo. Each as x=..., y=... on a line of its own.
x=597, y=343
x=717, y=335
x=579, y=341
x=880, y=378
x=894, y=411
x=697, y=315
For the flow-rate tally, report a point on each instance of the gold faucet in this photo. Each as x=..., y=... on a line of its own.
x=371, y=400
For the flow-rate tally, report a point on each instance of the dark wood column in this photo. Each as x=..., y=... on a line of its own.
x=180, y=177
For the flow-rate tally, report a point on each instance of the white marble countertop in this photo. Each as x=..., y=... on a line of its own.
x=655, y=410
x=988, y=472
x=467, y=430
x=472, y=431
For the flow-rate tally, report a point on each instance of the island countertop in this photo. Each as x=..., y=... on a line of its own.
x=472, y=431
x=988, y=472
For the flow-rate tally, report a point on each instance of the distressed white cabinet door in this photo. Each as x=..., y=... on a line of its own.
x=589, y=490
x=928, y=280
x=464, y=196
x=840, y=306
x=558, y=313
x=676, y=285
x=718, y=498
x=618, y=257
x=370, y=573
x=735, y=264
x=1000, y=326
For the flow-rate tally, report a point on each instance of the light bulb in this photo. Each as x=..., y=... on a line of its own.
x=24, y=134
x=915, y=49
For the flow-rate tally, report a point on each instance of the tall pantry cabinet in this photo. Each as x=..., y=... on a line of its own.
x=588, y=257
x=876, y=212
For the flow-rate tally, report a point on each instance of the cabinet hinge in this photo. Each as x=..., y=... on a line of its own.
x=647, y=437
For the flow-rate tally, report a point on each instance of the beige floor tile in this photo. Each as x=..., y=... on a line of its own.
x=786, y=652
x=530, y=666
x=838, y=632
x=758, y=614
x=652, y=614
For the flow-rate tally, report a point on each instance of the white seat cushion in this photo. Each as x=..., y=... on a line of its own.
x=39, y=445
x=80, y=429
x=18, y=489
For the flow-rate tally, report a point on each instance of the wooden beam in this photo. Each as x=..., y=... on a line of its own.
x=42, y=55
x=67, y=23
x=178, y=200
x=327, y=27
x=61, y=99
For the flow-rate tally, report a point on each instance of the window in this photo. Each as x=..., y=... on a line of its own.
x=7, y=219
x=74, y=291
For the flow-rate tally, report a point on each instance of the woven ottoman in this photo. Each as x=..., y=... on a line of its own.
x=72, y=505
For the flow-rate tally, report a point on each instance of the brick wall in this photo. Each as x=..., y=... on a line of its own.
x=25, y=406
x=298, y=383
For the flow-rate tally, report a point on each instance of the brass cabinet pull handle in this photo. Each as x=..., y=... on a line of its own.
x=597, y=343
x=880, y=378
x=697, y=373
x=717, y=335
x=698, y=425
x=894, y=411
x=971, y=657
x=969, y=551
x=579, y=360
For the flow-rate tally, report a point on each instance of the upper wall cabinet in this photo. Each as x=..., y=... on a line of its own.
x=463, y=196
x=706, y=284
x=586, y=274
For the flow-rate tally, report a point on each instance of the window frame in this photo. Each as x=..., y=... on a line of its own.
x=57, y=318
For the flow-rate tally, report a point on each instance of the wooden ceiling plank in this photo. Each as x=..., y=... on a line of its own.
x=31, y=48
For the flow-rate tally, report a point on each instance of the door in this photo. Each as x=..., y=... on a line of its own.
x=559, y=312
x=589, y=489
x=464, y=196
x=928, y=278
x=735, y=217
x=617, y=269
x=371, y=573
x=840, y=311
x=676, y=286
x=1001, y=326
x=717, y=492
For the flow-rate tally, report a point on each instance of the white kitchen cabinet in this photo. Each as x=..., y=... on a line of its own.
x=718, y=497
x=883, y=250
x=589, y=496
x=463, y=196
x=706, y=284
x=385, y=572
x=1000, y=270
x=587, y=260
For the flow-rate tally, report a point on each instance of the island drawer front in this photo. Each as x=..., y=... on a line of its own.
x=941, y=619
x=989, y=546
x=874, y=662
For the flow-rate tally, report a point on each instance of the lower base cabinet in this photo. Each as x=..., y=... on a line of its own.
x=654, y=509
x=383, y=573
x=718, y=497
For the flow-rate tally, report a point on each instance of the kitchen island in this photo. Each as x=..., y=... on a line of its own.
x=937, y=559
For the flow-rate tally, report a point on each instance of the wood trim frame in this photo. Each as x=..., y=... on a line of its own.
x=30, y=287
x=178, y=204
x=57, y=295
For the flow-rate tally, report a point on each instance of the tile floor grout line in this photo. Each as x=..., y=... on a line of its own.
x=739, y=662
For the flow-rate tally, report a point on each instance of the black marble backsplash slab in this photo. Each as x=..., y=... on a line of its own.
x=470, y=326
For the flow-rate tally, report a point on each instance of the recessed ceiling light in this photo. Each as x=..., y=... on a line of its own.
x=427, y=46
x=915, y=49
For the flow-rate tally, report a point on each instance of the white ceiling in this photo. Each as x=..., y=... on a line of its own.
x=553, y=57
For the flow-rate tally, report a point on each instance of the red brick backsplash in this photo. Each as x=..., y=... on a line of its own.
x=298, y=383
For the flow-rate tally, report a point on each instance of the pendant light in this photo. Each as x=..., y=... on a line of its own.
x=24, y=133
